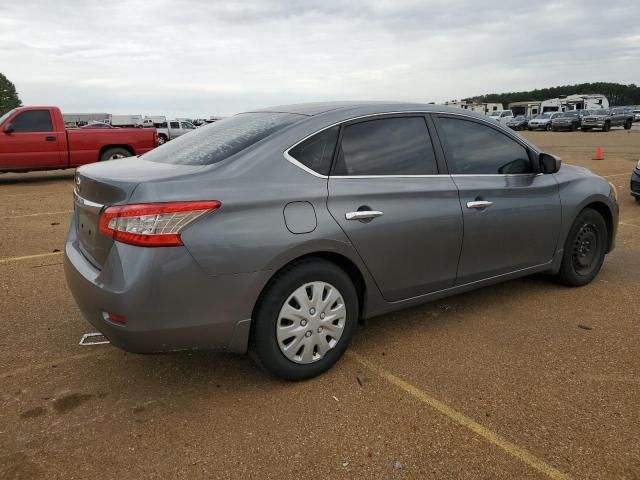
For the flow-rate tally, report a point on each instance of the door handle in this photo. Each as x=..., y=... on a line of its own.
x=479, y=204
x=50, y=139
x=363, y=215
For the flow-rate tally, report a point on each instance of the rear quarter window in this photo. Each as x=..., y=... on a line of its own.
x=220, y=140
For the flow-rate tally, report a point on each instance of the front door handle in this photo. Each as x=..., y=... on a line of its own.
x=50, y=139
x=363, y=215
x=479, y=204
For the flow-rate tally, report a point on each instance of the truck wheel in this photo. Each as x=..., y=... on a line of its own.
x=607, y=127
x=114, y=154
x=627, y=124
x=162, y=140
x=574, y=127
x=584, y=249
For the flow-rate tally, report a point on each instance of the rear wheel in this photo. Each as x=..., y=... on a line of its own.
x=114, y=154
x=627, y=124
x=305, y=320
x=162, y=139
x=584, y=249
x=574, y=127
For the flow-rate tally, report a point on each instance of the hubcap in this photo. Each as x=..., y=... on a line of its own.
x=116, y=156
x=311, y=322
x=585, y=249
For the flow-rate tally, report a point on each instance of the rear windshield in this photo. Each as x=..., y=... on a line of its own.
x=217, y=141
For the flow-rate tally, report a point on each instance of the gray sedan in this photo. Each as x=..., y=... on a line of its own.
x=277, y=231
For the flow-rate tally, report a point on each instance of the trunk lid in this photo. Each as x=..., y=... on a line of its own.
x=101, y=185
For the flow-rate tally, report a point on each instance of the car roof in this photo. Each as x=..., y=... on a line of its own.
x=362, y=108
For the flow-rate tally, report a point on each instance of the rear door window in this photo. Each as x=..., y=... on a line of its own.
x=33, y=121
x=220, y=140
x=389, y=146
x=316, y=152
x=476, y=149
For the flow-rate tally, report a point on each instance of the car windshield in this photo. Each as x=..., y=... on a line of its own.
x=6, y=115
x=602, y=111
x=495, y=114
x=544, y=115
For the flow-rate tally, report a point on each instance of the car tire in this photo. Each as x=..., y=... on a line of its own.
x=282, y=296
x=162, y=139
x=606, y=127
x=584, y=249
x=574, y=127
x=637, y=199
x=530, y=129
x=627, y=124
x=114, y=154
x=548, y=127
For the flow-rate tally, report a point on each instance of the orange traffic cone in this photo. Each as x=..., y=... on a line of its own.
x=598, y=154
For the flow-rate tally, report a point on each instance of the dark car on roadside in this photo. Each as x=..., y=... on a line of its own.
x=635, y=182
x=567, y=121
x=518, y=123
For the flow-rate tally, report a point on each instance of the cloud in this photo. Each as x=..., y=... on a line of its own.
x=194, y=58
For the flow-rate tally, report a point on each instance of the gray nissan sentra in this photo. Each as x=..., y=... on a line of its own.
x=277, y=231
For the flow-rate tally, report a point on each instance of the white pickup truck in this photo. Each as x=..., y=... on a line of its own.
x=168, y=129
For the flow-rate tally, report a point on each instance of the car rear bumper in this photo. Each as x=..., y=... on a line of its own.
x=168, y=301
x=635, y=183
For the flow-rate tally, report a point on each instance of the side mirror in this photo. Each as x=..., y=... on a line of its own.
x=8, y=128
x=549, y=163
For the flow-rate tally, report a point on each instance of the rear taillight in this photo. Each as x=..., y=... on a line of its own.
x=153, y=224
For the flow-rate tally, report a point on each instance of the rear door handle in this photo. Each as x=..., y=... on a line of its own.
x=50, y=139
x=479, y=204
x=363, y=215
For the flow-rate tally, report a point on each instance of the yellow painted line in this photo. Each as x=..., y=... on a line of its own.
x=36, y=214
x=27, y=194
x=28, y=257
x=489, y=435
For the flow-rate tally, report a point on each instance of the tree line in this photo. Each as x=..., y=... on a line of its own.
x=617, y=93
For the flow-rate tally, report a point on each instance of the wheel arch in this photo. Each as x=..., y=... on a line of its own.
x=128, y=148
x=342, y=261
x=604, y=210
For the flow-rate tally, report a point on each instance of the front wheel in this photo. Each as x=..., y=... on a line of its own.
x=548, y=127
x=627, y=124
x=305, y=320
x=584, y=249
x=606, y=127
x=162, y=140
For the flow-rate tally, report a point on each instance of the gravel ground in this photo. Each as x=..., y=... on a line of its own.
x=525, y=379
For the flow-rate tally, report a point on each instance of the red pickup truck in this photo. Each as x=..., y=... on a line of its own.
x=35, y=138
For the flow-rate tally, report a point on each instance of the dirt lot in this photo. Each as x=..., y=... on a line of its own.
x=522, y=380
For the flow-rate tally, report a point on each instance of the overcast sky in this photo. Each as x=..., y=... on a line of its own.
x=196, y=58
